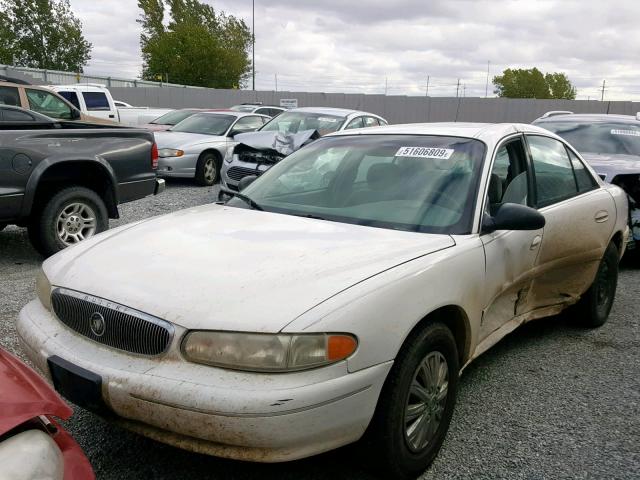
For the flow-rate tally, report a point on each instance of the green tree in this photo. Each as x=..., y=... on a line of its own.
x=197, y=46
x=532, y=83
x=45, y=34
x=6, y=40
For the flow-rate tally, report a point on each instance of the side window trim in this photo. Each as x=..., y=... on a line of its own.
x=594, y=182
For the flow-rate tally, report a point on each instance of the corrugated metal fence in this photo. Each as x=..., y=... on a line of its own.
x=395, y=108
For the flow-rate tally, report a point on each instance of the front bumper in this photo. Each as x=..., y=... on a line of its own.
x=240, y=415
x=242, y=169
x=182, y=167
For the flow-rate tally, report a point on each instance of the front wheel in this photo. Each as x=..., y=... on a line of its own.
x=207, y=171
x=416, y=404
x=593, y=308
x=70, y=216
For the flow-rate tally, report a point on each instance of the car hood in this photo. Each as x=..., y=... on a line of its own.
x=282, y=143
x=612, y=165
x=25, y=395
x=169, y=139
x=218, y=267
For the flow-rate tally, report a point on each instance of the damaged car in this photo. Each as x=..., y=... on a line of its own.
x=611, y=145
x=256, y=152
x=336, y=298
x=33, y=445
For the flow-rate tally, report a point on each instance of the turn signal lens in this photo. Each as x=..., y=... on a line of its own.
x=340, y=346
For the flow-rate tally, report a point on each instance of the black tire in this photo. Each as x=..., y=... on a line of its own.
x=592, y=310
x=386, y=439
x=43, y=228
x=207, y=169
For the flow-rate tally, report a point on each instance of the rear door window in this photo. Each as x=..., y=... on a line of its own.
x=9, y=96
x=371, y=122
x=584, y=179
x=96, y=101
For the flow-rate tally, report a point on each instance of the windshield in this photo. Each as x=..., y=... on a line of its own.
x=294, y=122
x=173, y=118
x=243, y=108
x=402, y=182
x=205, y=123
x=606, y=137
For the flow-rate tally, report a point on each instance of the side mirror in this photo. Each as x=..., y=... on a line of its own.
x=246, y=181
x=512, y=216
x=75, y=114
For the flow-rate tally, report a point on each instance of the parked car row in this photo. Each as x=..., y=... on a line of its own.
x=382, y=261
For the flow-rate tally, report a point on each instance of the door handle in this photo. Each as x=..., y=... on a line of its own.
x=601, y=216
x=112, y=116
x=536, y=241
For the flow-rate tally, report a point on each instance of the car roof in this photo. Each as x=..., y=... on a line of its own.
x=339, y=112
x=232, y=113
x=588, y=117
x=481, y=131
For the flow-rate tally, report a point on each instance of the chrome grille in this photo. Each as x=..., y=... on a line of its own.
x=238, y=173
x=124, y=328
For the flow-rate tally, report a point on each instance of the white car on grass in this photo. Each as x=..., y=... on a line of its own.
x=321, y=306
x=197, y=146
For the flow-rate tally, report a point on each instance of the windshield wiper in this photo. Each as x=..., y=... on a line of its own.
x=308, y=215
x=248, y=200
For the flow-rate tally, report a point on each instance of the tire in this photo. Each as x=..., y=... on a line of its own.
x=207, y=169
x=387, y=440
x=65, y=220
x=592, y=310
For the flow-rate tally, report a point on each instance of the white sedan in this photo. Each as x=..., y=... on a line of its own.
x=321, y=306
x=196, y=147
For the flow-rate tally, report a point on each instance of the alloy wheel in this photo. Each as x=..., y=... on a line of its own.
x=76, y=222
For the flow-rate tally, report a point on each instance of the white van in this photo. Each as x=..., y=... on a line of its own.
x=96, y=100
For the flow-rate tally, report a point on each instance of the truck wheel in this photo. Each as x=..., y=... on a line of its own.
x=207, y=169
x=592, y=310
x=70, y=216
x=416, y=404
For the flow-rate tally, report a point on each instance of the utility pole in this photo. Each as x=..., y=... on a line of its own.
x=253, y=40
x=427, y=94
x=276, y=75
x=458, y=88
x=486, y=87
x=464, y=89
x=385, y=85
x=603, y=89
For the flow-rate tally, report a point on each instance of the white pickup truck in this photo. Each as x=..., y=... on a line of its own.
x=96, y=100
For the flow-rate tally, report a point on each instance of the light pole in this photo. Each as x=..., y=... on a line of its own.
x=253, y=39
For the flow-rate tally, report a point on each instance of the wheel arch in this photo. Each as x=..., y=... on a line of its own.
x=52, y=176
x=455, y=319
x=218, y=156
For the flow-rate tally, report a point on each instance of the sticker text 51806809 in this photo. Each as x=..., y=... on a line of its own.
x=425, y=152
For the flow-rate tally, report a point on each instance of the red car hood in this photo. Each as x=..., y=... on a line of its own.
x=25, y=395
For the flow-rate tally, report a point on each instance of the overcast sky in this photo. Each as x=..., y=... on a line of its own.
x=358, y=46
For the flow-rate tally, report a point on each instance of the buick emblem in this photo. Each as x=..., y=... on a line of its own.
x=97, y=325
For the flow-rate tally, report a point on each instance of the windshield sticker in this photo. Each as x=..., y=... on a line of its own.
x=328, y=119
x=633, y=133
x=425, y=152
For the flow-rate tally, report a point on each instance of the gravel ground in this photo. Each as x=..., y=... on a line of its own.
x=550, y=401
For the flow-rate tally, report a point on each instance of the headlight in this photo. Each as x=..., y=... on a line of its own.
x=170, y=152
x=31, y=454
x=43, y=289
x=267, y=352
